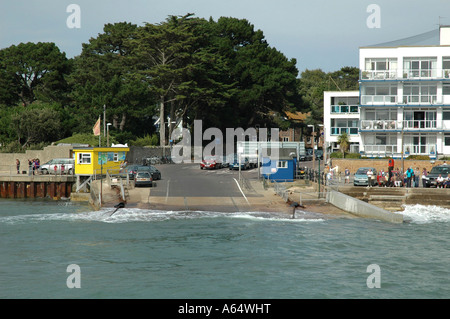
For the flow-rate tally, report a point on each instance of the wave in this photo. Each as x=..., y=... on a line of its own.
x=125, y=215
x=423, y=214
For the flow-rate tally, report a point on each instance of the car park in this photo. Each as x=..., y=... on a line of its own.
x=63, y=166
x=210, y=162
x=362, y=179
x=432, y=176
x=143, y=178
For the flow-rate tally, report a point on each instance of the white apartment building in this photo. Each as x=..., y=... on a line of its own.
x=404, y=98
x=341, y=114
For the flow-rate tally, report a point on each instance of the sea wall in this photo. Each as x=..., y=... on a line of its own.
x=361, y=208
x=354, y=164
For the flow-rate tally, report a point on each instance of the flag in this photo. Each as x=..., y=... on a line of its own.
x=96, y=128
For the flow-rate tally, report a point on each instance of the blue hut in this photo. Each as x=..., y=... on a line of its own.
x=279, y=166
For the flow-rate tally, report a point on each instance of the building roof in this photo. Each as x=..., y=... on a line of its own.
x=297, y=116
x=429, y=38
x=282, y=154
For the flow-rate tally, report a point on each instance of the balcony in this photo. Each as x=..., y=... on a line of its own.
x=379, y=75
x=380, y=150
x=394, y=125
x=378, y=99
x=410, y=74
x=419, y=99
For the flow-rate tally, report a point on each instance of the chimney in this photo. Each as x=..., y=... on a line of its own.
x=444, y=35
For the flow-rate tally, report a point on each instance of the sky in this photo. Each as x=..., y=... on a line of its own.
x=320, y=34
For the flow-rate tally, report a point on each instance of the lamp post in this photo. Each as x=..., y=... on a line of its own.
x=314, y=153
x=107, y=134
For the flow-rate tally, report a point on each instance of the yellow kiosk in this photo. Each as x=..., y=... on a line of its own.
x=92, y=160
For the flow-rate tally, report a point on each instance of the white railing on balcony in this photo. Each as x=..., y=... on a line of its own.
x=380, y=150
x=379, y=125
x=405, y=74
x=379, y=75
x=378, y=99
x=397, y=125
x=419, y=99
x=411, y=149
x=425, y=124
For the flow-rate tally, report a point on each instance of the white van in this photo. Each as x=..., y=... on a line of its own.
x=49, y=167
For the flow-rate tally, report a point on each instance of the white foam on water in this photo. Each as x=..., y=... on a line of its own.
x=422, y=214
x=125, y=215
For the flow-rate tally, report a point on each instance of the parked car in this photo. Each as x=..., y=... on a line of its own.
x=432, y=176
x=361, y=176
x=244, y=163
x=143, y=178
x=156, y=174
x=131, y=170
x=226, y=161
x=307, y=156
x=210, y=162
x=49, y=167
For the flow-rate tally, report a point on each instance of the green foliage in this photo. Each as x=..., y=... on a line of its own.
x=31, y=71
x=81, y=138
x=147, y=140
x=313, y=83
x=347, y=155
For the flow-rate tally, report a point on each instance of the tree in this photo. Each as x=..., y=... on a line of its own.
x=36, y=124
x=106, y=75
x=163, y=53
x=344, y=142
x=31, y=71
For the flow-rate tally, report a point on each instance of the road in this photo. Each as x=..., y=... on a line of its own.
x=187, y=187
x=188, y=180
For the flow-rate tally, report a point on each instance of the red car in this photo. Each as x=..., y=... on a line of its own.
x=210, y=162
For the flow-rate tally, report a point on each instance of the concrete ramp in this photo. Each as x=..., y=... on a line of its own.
x=361, y=208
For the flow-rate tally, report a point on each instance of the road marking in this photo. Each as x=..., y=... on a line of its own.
x=167, y=191
x=241, y=191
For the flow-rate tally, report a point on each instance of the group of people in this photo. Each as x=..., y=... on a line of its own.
x=443, y=182
x=395, y=178
x=33, y=166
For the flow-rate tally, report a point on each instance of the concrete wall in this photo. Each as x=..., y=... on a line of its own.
x=8, y=160
x=360, y=208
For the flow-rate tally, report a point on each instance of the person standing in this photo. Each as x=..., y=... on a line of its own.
x=416, y=177
x=30, y=167
x=347, y=176
x=424, y=177
x=18, y=165
x=369, y=177
x=409, y=176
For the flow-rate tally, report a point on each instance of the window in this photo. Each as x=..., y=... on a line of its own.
x=446, y=115
x=116, y=157
x=419, y=67
x=84, y=158
x=447, y=140
x=282, y=164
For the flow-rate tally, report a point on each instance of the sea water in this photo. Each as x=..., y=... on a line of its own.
x=137, y=253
